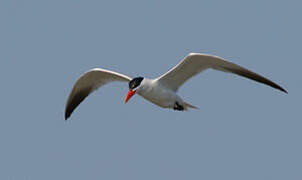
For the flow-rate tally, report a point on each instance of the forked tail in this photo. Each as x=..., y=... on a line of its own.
x=187, y=105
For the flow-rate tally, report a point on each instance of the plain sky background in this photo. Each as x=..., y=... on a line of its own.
x=243, y=130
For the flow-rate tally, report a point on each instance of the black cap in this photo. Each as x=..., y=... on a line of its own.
x=135, y=82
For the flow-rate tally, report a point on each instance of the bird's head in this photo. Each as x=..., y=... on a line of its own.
x=134, y=84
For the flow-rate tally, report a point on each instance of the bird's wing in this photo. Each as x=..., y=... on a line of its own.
x=195, y=63
x=87, y=83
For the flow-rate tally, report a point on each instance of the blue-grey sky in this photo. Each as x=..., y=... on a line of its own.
x=243, y=130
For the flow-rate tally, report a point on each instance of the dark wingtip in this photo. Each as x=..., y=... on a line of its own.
x=283, y=90
x=256, y=77
x=279, y=88
x=67, y=115
x=75, y=100
x=68, y=112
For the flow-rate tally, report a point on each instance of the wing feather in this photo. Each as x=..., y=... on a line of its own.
x=89, y=82
x=195, y=63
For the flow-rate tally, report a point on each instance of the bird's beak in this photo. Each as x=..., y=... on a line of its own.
x=129, y=95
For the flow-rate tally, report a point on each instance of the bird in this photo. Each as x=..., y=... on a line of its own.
x=161, y=91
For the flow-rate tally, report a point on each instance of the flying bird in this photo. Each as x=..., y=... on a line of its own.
x=161, y=91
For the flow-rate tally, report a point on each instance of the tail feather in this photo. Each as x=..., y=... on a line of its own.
x=190, y=106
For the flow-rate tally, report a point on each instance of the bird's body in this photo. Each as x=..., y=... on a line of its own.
x=161, y=91
x=157, y=93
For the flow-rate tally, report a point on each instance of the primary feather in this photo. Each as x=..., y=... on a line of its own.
x=88, y=83
x=195, y=63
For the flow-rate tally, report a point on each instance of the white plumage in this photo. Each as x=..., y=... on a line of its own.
x=161, y=91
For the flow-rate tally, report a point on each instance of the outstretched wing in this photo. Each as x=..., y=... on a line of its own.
x=87, y=83
x=195, y=63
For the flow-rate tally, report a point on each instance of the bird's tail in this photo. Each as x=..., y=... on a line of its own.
x=187, y=105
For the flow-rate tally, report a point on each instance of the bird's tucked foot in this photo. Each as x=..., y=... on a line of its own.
x=178, y=107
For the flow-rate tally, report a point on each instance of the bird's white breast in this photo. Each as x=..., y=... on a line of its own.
x=158, y=94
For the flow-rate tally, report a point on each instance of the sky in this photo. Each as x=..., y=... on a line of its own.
x=243, y=129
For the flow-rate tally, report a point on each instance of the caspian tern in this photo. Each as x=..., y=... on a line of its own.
x=161, y=91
